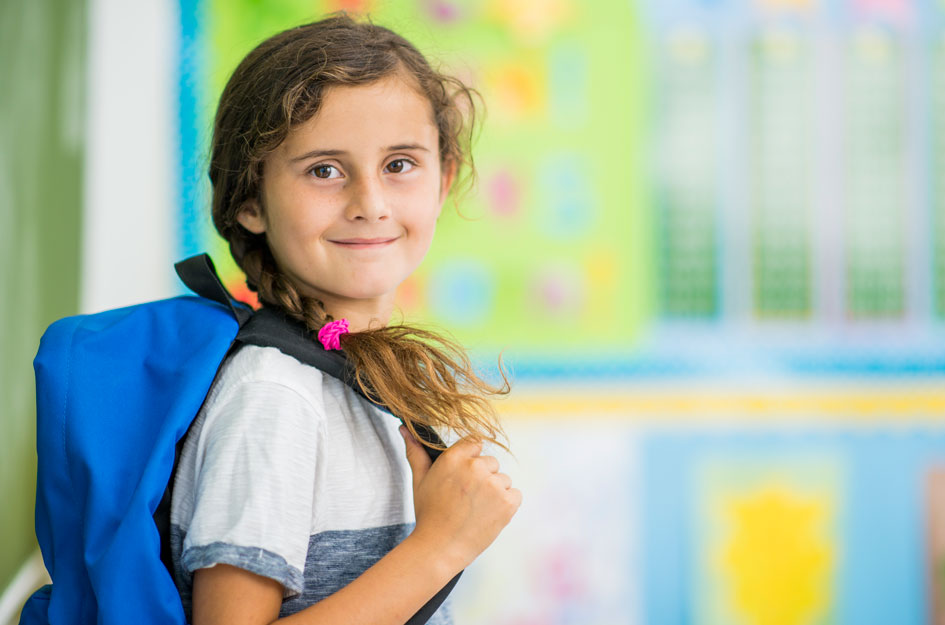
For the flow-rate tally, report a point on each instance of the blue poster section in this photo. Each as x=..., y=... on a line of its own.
x=875, y=477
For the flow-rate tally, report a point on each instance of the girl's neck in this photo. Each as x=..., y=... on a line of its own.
x=361, y=314
x=359, y=321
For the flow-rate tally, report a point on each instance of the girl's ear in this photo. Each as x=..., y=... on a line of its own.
x=251, y=216
x=447, y=178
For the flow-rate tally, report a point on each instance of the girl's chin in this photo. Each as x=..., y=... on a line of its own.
x=380, y=293
x=360, y=287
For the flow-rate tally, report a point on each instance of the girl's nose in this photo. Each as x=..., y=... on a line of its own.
x=367, y=201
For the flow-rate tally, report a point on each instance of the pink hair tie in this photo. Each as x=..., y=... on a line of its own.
x=330, y=334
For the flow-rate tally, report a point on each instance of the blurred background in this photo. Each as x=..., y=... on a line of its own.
x=708, y=240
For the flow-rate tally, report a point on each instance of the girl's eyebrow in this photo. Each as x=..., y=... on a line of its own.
x=316, y=154
x=407, y=146
x=393, y=148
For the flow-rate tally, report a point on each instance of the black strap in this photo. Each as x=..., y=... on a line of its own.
x=200, y=276
x=270, y=328
x=430, y=607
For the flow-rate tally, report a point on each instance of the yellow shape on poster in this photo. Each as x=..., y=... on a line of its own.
x=778, y=559
x=517, y=90
x=603, y=272
x=532, y=21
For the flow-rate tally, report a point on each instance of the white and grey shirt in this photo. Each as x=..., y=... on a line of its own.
x=291, y=475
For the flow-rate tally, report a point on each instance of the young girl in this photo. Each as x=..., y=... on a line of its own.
x=334, y=147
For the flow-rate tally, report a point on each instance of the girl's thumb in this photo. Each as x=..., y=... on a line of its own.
x=417, y=456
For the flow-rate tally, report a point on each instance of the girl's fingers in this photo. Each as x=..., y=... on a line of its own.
x=516, y=496
x=417, y=457
x=490, y=463
x=468, y=447
x=503, y=480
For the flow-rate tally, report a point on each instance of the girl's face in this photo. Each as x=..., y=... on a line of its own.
x=349, y=201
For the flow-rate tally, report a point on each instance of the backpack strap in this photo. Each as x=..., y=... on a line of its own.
x=200, y=276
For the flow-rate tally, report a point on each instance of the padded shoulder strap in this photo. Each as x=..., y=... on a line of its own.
x=270, y=328
x=200, y=276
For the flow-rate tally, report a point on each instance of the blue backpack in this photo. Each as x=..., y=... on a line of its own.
x=115, y=395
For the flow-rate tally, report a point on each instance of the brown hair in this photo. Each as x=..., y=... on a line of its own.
x=423, y=377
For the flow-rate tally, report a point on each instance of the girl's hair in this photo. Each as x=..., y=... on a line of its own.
x=423, y=377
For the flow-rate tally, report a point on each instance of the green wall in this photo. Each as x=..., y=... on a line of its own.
x=42, y=73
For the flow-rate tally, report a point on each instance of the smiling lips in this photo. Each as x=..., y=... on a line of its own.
x=362, y=244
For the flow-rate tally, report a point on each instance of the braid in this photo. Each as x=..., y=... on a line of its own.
x=275, y=289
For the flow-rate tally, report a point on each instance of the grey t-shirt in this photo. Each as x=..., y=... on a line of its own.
x=291, y=475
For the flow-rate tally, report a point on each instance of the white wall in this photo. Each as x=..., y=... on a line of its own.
x=131, y=153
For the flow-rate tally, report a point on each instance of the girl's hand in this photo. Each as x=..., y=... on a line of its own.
x=462, y=502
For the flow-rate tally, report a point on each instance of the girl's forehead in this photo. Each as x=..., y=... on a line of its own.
x=386, y=112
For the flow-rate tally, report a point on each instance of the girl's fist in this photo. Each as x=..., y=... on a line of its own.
x=462, y=501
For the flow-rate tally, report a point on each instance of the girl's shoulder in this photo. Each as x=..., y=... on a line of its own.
x=266, y=370
x=252, y=363
x=261, y=387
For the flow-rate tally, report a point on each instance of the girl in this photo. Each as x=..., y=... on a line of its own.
x=334, y=147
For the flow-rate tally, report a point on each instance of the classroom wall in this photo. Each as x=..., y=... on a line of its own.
x=42, y=51
x=708, y=237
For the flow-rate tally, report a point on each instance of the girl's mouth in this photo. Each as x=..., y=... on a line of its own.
x=364, y=243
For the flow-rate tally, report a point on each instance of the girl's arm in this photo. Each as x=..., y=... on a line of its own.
x=462, y=503
x=391, y=591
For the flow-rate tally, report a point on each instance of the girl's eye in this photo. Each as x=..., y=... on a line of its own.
x=401, y=165
x=325, y=171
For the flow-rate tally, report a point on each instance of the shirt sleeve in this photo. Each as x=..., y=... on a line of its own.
x=255, y=475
